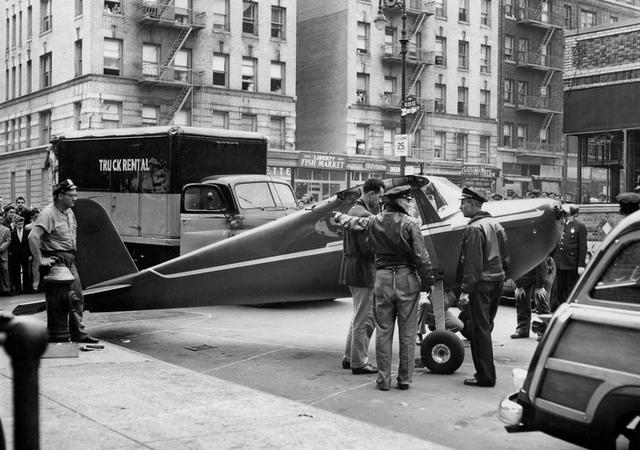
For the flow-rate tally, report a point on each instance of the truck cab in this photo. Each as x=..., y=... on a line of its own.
x=219, y=207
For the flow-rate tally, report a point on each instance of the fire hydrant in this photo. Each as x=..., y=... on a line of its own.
x=57, y=296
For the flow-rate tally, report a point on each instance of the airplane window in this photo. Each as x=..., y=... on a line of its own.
x=445, y=195
x=621, y=280
x=284, y=195
x=254, y=195
x=203, y=198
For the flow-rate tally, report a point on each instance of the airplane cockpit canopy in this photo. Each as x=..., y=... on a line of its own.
x=443, y=195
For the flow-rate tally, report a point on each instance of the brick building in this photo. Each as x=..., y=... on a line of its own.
x=602, y=107
x=74, y=64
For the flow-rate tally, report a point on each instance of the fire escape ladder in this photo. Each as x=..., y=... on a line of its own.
x=175, y=47
x=547, y=37
x=178, y=102
x=417, y=24
x=415, y=76
x=417, y=121
x=547, y=81
x=543, y=129
x=164, y=7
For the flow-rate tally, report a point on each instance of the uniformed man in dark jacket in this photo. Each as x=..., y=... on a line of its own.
x=534, y=286
x=482, y=269
x=570, y=254
x=358, y=272
x=403, y=269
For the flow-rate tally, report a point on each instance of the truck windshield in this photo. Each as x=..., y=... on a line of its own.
x=264, y=195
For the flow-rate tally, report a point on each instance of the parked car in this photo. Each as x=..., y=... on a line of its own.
x=583, y=382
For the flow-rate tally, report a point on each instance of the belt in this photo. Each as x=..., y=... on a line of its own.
x=395, y=267
x=48, y=253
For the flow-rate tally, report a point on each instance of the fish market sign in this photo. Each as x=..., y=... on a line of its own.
x=322, y=161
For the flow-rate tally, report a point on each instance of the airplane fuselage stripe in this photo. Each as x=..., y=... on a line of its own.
x=330, y=247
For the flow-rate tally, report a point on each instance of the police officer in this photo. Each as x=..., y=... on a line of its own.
x=403, y=269
x=482, y=269
x=570, y=254
x=629, y=202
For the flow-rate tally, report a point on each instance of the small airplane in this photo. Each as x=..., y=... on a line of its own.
x=294, y=258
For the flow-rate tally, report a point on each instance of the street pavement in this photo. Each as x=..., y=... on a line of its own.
x=242, y=377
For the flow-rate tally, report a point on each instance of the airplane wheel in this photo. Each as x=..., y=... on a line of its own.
x=442, y=352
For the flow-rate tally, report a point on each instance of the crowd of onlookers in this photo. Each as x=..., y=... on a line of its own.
x=17, y=273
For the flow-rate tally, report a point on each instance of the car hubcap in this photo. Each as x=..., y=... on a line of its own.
x=440, y=353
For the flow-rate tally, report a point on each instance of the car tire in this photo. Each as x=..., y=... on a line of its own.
x=442, y=352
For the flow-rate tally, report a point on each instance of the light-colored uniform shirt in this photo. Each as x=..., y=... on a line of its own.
x=60, y=229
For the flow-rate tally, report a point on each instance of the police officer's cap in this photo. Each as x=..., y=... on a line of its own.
x=64, y=186
x=468, y=193
x=628, y=197
x=398, y=192
x=570, y=210
x=496, y=196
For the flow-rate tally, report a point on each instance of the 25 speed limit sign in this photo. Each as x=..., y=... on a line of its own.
x=402, y=145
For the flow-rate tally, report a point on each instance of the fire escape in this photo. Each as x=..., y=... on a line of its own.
x=417, y=61
x=165, y=15
x=542, y=102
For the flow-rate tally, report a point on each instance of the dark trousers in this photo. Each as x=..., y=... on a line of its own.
x=565, y=281
x=523, y=307
x=20, y=273
x=483, y=307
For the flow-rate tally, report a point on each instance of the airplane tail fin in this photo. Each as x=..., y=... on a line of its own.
x=101, y=253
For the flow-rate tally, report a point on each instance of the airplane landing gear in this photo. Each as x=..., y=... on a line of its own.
x=442, y=352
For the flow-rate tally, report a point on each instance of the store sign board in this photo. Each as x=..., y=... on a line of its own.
x=322, y=161
x=375, y=166
x=480, y=172
x=401, y=147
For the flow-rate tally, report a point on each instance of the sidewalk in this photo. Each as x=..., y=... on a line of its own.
x=119, y=399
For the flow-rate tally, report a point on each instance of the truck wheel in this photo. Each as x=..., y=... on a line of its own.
x=442, y=352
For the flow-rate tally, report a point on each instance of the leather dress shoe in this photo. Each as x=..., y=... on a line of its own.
x=366, y=370
x=88, y=340
x=382, y=386
x=346, y=364
x=476, y=383
x=403, y=386
x=519, y=336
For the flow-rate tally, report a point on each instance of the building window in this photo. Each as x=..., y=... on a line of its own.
x=277, y=77
x=46, y=17
x=523, y=92
x=568, y=17
x=45, y=127
x=20, y=28
x=13, y=82
x=276, y=135
x=440, y=51
x=440, y=99
x=463, y=54
x=485, y=58
x=523, y=50
x=278, y=17
x=521, y=136
x=77, y=58
x=221, y=15
x=461, y=146
x=77, y=115
x=613, y=19
x=389, y=39
x=250, y=18
x=79, y=7
x=485, y=12
x=19, y=80
x=8, y=35
x=362, y=134
x=588, y=18
x=362, y=89
x=182, y=117
x=387, y=141
x=439, y=142
x=249, y=74
x=150, y=64
x=463, y=11
x=45, y=70
x=112, y=53
x=149, y=115
x=220, y=69
x=14, y=31
x=508, y=91
x=463, y=100
x=485, y=150
x=19, y=133
x=29, y=76
x=508, y=8
x=219, y=119
x=441, y=8
x=27, y=131
x=29, y=22
x=13, y=135
x=363, y=38
x=182, y=66
x=111, y=114
x=7, y=84
x=390, y=84
x=508, y=48
x=248, y=122
x=507, y=135
x=112, y=6
x=485, y=103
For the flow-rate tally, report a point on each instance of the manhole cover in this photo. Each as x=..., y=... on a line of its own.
x=198, y=348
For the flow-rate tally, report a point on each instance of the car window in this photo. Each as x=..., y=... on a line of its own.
x=254, y=195
x=621, y=281
x=203, y=198
x=284, y=195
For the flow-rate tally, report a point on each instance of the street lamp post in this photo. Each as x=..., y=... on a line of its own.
x=380, y=22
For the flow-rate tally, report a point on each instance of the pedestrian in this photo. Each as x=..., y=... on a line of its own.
x=531, y=288
x=53, y=239
x=629, y=202
x=570, y=254
x=20, y=258
x=482, y=269
x=9, y=213
x=403, y=269
x=357, y=271
x=5, y=278
x=21, y=207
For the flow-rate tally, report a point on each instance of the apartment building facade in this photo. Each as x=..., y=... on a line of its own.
x=532, y=151
x=350, y=84
x=74, y=64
